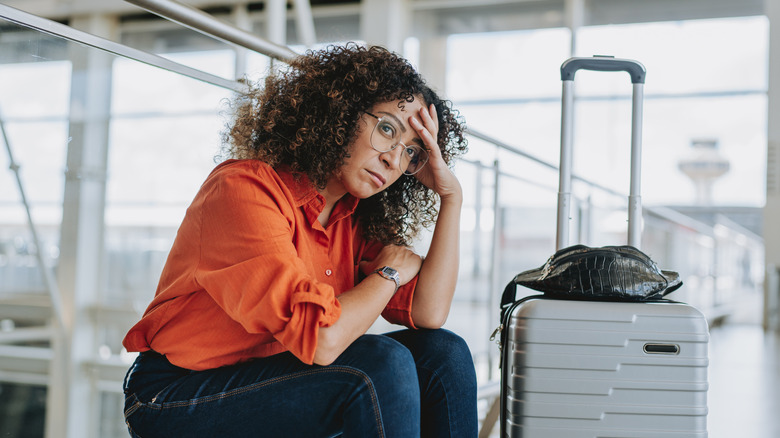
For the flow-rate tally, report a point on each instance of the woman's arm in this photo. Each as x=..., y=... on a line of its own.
x=362, y=305
x=439, y=273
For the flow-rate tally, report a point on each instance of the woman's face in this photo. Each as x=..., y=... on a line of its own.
x=367, y=171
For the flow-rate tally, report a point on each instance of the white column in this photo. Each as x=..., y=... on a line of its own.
x=385, y=23
x=304, y=23
x=433, y=62
x=574, y=17
x=276, y=21
x=73, y=405
x=242, y=21
x=772, y=208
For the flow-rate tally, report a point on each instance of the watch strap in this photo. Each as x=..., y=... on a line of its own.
x=390, y=274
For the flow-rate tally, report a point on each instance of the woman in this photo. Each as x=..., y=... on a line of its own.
x=293, y=248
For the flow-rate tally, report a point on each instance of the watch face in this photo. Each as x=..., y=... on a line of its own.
x=389, y=272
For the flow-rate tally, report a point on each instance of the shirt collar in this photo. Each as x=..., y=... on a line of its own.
x=304, y=193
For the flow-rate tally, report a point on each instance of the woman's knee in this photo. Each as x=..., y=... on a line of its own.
x=443, y=354
x=449, y=344
x=382, y=360
x=453, y=352
x=436, y=345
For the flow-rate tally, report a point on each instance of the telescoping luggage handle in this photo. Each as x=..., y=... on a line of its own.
x=637, y=73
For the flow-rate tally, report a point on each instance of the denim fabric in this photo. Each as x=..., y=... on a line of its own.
x=403, y=384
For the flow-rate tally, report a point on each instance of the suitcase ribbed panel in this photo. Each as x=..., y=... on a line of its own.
x=579, y=369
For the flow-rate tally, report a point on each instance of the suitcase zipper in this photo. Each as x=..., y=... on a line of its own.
x=496, y=332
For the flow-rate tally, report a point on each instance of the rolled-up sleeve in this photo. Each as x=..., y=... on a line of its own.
x=399, y=309
x=250, y=267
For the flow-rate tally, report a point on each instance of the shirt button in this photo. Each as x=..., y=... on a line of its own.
x=328, y=272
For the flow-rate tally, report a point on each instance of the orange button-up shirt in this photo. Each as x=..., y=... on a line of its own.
x=252, y=272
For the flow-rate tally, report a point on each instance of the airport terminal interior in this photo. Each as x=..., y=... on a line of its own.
x=112, y=114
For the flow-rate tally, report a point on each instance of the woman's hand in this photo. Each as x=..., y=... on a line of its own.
x=400, y=258
x=435, y=175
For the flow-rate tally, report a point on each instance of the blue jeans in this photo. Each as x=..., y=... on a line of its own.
x=403, y=384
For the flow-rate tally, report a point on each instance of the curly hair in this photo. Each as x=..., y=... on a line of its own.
x=307, y=115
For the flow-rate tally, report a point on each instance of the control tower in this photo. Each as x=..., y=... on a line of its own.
x=704, y=165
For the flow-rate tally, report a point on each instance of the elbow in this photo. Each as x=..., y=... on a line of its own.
x=326, y=352
x=432, y=324
x=432, y=320
x=323, y=359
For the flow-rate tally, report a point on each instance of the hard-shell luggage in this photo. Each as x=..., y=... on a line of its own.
x=574, y=369
x=607, y=369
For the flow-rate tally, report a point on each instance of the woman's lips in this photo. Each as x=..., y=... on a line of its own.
x=379, y=180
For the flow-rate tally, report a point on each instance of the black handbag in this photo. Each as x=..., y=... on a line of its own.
x=615, y=273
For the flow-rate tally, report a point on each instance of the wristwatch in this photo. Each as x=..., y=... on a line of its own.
x=390, y=274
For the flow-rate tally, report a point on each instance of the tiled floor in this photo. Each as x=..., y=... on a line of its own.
x=744, y=375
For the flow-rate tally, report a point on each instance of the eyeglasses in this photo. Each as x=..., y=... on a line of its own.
x=386, y=136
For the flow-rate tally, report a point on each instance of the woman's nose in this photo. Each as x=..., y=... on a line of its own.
x=392, y=158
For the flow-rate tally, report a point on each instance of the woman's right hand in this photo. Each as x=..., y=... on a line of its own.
x=400, y=258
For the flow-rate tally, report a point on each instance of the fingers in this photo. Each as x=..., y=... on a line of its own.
x=430, y=119
x=426, y=123
x=434, y=117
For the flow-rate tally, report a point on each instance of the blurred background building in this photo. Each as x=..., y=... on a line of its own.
x=111, y=117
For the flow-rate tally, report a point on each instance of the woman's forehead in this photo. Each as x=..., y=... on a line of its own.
x=400, y=106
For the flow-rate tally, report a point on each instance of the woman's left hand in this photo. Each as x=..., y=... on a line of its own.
x=435, y=175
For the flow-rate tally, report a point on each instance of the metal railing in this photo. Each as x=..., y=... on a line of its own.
x=60, y=30
x=208, y=25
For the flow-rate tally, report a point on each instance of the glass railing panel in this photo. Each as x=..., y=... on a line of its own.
x=34, y=98
x=35, y=76
x=182, y=45
x=165, y=135
x=533, y=126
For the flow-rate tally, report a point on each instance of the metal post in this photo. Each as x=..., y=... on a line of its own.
x=476, y=268
x=771, y=211
x=495, y=262
x=771, y=317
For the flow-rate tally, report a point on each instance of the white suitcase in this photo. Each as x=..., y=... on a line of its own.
x=575, y=369
x=602, y=369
